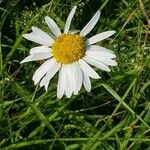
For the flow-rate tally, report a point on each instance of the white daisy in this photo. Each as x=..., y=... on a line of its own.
x=69, y=54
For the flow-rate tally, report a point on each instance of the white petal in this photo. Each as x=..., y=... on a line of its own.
x=90, y=25
x=100, y=54
x=104, y=60
x=86, y=82
x=98, y=48
x=99, y=37
x=71, y=71
x=51, y=35
x=40, y=49
x=61, y=82
x=52, y=71
x=46, y=86
x=69, y=19
x=79, y=78
x=74, y=76
x=53, y=26
x=42, y=70
x=39, y=36
x=68, y=89
x=111, y=63
x=88, y=70
x=97, y=64
x=74, y=31
x=35, y=57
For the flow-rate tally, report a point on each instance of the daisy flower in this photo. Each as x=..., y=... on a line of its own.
x=70, y=54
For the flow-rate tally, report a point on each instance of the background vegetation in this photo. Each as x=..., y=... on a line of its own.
x=115, y=115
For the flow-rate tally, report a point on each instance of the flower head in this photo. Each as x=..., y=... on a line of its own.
x=70, y=55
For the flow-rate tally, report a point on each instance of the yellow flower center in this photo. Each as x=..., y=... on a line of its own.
x=68, y=48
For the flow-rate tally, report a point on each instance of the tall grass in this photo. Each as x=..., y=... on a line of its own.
x=115, y=115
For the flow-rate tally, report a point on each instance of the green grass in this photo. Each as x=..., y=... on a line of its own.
x=115, y=115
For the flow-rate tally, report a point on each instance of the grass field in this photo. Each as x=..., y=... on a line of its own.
x=115, y=115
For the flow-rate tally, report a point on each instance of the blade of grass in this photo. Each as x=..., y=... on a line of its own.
x=117, y=97
x=21, y=92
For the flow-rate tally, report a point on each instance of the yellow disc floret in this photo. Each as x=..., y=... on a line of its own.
x=68, y=48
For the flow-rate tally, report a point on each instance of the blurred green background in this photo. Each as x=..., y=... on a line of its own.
x=115, y=115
